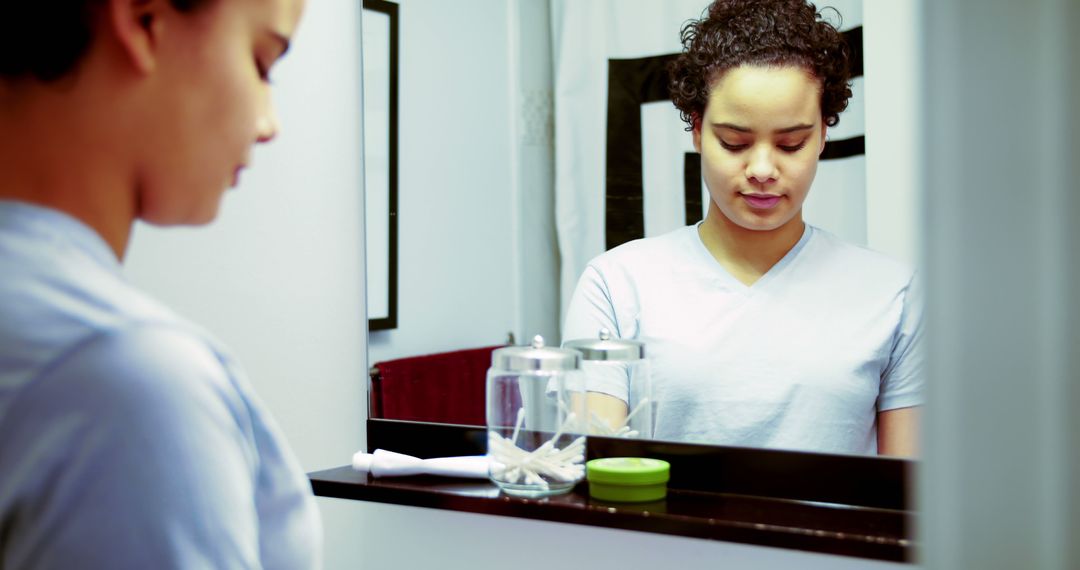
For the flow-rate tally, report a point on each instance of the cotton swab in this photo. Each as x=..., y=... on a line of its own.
x=512, y=464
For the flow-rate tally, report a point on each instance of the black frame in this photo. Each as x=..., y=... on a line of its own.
x=390, y=321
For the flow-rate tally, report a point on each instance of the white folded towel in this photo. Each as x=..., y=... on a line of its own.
x=385, y=463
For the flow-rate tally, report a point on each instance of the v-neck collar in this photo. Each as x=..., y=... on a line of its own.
x=769, y=275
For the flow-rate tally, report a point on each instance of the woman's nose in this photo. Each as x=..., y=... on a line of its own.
x=762, y=167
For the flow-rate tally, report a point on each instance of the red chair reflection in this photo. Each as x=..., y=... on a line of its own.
x=447, y=387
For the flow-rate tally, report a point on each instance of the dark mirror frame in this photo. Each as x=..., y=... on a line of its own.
x=390, y=320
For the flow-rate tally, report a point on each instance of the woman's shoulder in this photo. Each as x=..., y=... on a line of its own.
x=649, y=253
x=140, y=360
x=856, y=260
x=158, y=378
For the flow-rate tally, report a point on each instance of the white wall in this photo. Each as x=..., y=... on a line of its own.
x=456, y=229
x=407, y=538
x=477, y=256
x=279, y=276
x=892, y=83
x=999, y=484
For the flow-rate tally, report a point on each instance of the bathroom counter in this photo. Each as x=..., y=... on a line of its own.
x=833, y=529
x=803, y=501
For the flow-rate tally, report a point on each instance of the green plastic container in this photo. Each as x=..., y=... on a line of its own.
x=628, y=479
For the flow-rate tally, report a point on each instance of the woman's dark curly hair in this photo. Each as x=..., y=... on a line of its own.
x=45, y=39
x=764, y=33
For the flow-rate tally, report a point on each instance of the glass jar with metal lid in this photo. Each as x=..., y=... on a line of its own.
x=618, y=386
x=536, y=419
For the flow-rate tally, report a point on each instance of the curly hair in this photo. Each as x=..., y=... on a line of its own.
x=45, y=40
x=768, y=33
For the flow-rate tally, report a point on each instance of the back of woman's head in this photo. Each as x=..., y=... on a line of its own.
x=771, y=33
x=46, y=39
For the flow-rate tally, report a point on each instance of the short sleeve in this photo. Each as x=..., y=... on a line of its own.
x=902, y=383
x=133, y=451
x=590, y=310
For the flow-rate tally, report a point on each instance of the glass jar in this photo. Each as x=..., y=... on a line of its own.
x=617, y=380
x=536, y=419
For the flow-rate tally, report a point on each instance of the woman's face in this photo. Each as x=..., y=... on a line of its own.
x=759, y=139
x=210, y=103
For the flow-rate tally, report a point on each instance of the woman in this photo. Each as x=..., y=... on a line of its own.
x=128, y=437
x=762, y=330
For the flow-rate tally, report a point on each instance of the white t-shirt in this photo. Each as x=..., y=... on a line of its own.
x=128, y=437
x=802, y=359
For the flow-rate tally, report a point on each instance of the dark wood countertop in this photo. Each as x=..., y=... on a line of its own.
x=811, y=512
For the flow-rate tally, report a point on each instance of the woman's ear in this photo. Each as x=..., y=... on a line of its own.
x=821, y=143
x=136, y=25
x=695, y=130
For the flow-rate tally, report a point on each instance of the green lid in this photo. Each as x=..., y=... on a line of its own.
x=628, y=471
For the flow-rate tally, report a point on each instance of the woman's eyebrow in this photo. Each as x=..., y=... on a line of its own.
x=733, y=127
x=792, y=129
x=742, y=129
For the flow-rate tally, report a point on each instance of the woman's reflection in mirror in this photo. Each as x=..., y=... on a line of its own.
x=762, y=330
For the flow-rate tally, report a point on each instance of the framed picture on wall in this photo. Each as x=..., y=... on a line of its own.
x=380, y=115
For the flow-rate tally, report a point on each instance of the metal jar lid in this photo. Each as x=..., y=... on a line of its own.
x=535, y=357
x=607, y=348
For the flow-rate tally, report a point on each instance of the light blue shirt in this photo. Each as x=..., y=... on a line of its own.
x=128, y=437
x=802, y=359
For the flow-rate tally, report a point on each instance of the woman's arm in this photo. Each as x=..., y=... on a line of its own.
x=898, y=432
x=608, y=409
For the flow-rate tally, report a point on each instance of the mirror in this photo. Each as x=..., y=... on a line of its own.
x=510, y=109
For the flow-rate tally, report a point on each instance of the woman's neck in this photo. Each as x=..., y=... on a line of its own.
x=50, y=156
x=747, y=254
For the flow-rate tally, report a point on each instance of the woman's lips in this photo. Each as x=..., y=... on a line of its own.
x=761, y=201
